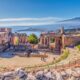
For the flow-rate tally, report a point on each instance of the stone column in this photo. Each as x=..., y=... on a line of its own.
x=63, y=39
x=44, y=41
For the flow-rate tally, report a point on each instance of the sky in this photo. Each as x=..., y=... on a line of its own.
x=37, y=12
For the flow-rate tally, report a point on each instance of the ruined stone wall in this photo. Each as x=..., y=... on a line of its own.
x=71, y=40
x=4, y=37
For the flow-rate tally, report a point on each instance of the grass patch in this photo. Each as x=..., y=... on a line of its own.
x=78, y=46
x=63, y=56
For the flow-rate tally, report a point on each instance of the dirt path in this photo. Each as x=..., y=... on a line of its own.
x=17, y=61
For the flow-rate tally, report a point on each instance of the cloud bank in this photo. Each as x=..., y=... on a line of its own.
x=28, y=21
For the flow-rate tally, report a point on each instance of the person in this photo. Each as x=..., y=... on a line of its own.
x=43, y=57
x=29, y=49
x=29, y=52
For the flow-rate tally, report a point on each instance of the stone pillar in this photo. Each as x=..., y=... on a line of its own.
x=44, y=41
x=40, y=40
x=63, y=39
x=48, y=40
x=62, y=30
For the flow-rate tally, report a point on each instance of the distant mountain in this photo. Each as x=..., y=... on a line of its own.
x=67, y=24
x=76, y=19
x=32, y=29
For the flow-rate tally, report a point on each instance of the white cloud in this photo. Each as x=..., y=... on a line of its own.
x=22, y=19
x=28, y=21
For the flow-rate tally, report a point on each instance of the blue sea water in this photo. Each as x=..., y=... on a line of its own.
x=30, y=29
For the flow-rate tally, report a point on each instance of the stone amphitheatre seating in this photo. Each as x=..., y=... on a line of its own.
x=31, y=55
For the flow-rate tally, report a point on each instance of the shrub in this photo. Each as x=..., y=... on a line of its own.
x=78, y=46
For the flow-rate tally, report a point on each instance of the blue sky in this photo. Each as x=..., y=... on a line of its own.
x=36, y=11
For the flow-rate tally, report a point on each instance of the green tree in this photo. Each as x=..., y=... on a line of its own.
x=33, y=39
x=52, y=40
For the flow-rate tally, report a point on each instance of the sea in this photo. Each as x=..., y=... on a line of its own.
x=43, y=28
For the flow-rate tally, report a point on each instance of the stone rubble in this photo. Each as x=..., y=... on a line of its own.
x=45, y=74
